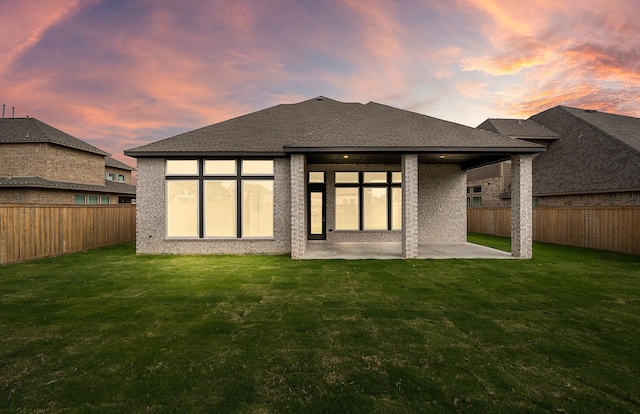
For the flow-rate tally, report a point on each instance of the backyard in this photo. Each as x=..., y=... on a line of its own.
x=108, y=331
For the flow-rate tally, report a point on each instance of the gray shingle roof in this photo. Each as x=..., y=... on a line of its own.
x=38, y=182
x=382, y=127
x=518, y=128
x=112, y=162
x=324, y=124
x=597, y=152
x=264, y=131
x=30, y=130
x=623, y=128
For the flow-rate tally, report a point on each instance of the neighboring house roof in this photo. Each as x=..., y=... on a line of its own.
x=112, y=162
x=518, y=128
x=598, y=152
x=322, y=125
x=262, y=132
x=625, y=129
x=31, y=130
x=38, y=182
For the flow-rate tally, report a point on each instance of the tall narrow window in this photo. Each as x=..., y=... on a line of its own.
x=182, y=208
x=257, y=208
x=396, y=208
x=220, y=208
x=347, y=208
x=375, y=208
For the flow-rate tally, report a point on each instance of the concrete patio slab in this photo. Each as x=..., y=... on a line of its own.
x=319, y=249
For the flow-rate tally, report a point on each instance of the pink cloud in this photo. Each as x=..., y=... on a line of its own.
x=24, y=24
x=575, y=53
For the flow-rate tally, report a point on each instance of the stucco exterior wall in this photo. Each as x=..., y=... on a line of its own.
x=151, y=218
x=53, y=162
x=442, y=211
x=351, y=235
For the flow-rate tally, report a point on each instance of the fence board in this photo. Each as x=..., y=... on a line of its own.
x=33, y=231
x=605, y=228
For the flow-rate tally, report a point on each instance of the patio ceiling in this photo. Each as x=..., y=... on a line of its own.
x=466, y=160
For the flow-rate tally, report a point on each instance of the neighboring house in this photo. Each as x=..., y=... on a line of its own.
x=269, y=181
x=43, y=165
x=592, y=159
x=596, y=161
x=487, y=186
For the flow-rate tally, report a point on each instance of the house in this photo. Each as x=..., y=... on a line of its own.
x=43, y=165
x=592, y=159
x=596, y=161
x=269, y=181
x=487, y=186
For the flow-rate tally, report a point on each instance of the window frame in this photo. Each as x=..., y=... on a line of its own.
x=238, y=177
x=361, y=186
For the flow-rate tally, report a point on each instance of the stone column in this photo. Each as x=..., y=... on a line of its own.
x=410, y=206
x=298, y=207
x=521, y=207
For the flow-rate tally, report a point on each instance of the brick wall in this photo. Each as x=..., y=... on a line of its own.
x=491, y=190
x=629, y=198
x=52, y=162
x=442, y=212
x=151, y=217
x=117, y=171
x=47, y=196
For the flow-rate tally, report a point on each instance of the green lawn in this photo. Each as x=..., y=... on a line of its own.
x=108, y=331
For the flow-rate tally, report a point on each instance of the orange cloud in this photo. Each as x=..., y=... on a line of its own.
x=571, y=52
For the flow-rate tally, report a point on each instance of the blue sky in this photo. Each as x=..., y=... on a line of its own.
x=119, y=74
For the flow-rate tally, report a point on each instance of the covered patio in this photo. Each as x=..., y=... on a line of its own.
x=322, y=249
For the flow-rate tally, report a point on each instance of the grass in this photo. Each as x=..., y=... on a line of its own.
x=107, y=331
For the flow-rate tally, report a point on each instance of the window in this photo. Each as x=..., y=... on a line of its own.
x=316, y=177
x=220, y=198
x=120, y=178
x=396, y=208
x=111, y=176
x=220, y=167
x=257, y=208
x=370, y=200
x=92, y=199
x=474, y=196
x=80, y=199
x=347, y=208
x=347, y=178
x=104, y=199
x=182, y=167
x=220, y=208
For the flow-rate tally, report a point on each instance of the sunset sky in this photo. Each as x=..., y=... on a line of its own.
x=123, y=73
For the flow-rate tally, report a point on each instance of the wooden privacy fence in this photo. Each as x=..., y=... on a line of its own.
x=33, y=231
x=606, y=228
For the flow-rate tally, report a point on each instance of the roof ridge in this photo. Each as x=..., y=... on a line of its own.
x=609, y=136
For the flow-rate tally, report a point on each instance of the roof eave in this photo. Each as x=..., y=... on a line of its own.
x=419, y=150
x=182, y=154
